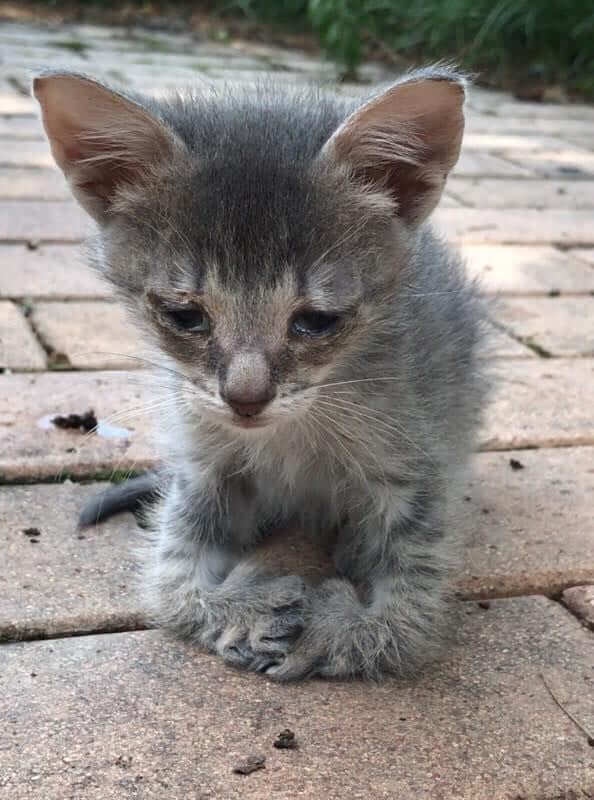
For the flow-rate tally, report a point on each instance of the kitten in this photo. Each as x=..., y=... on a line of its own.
x=316, y=343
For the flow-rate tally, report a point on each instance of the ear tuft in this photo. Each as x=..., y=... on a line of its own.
x=406, y=140
x=100, y=139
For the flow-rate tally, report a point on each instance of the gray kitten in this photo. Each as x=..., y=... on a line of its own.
x=316, y=343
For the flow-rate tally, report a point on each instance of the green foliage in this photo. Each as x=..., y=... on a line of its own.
x=549, y=40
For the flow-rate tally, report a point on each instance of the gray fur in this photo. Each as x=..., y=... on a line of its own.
x=367, y=433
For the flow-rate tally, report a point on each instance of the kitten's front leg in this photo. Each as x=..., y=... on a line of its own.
x=396, y=556
x=203, y=584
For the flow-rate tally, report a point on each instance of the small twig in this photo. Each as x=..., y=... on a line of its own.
x=567, y=713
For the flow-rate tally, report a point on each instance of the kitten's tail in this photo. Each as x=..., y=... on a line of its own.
x=131, y=495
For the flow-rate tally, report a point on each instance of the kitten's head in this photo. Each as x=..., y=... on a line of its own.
x=258, y=236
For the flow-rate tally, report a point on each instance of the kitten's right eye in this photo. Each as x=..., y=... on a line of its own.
x=189, y=318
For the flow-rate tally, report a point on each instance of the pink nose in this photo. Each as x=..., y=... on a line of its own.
x=247, y=387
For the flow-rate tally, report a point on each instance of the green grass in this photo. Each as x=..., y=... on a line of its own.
x=550, y=41
x=74, y=45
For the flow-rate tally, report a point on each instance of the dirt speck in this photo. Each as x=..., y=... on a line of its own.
x=250, y=764
x=32, y=532
x=77, y=422
x=285, y=740
x=484, y=604
x=515, y=464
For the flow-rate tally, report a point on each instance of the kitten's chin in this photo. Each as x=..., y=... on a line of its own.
x=250, y=423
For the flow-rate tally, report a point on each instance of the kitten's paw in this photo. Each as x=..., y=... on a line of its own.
x=263, y=634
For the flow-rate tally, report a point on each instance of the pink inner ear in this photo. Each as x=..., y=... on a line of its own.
x=100, y=140
x=405, y=142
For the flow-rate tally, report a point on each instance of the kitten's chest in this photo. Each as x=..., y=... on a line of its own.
x=293, y=479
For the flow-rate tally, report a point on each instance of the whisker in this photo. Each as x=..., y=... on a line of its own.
x=369, y=415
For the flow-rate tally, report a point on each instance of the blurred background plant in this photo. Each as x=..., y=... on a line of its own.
x=506, y=41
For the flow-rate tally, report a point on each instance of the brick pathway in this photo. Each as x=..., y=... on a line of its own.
x=125, y=713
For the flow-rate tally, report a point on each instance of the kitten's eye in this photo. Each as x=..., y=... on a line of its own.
x=314, y=323
x=189, y=318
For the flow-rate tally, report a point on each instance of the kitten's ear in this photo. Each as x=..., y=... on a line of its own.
x=405, y=141
x=99, y=139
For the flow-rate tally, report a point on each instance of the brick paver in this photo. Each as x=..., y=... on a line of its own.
x=510, y=193
x=559, y=326
x=98, y=716
x=556, y=163
x=472, y=164
x=91, y=335
x=500, y=344
x=539, y=403
x=30, y=451
x=19, y=349
x=136, y=714
x=25, y=153
x=528, y=529
x=52, y=221
x=561, y=226
x=48, y=271
x=529, y=270
x=32, y=184
x=58, y=580
x=586, y=254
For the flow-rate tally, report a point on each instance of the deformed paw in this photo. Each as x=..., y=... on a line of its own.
x=261, y=635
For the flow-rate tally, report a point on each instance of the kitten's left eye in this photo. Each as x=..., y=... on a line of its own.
x=314, y=323
x=189, y=318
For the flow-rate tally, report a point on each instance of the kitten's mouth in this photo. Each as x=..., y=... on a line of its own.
x=249, y=422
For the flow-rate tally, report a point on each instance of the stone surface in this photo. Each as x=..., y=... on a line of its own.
x=29, y=451
x=13, y=104
x=559, y=326
x=527, y=270
x=586, y=254
x=90, y=334
x=20, y=128
x=61, y=580
x=49, y=271
x=19, y=349
x=473, y=164
x=580, y=601
x=499, y=344
x=539, y=403
x=564, y=128
x=26, y=153
x=499, y=141
x=138, y=714
x=528, y=530
x=556, y=163
x=556, y=112
x=530, y=226
x=51, y=221
x=508, y=193
x=32, y=184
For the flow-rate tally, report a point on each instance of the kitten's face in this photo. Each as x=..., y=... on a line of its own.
x=257, y=323
x=258, y=237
